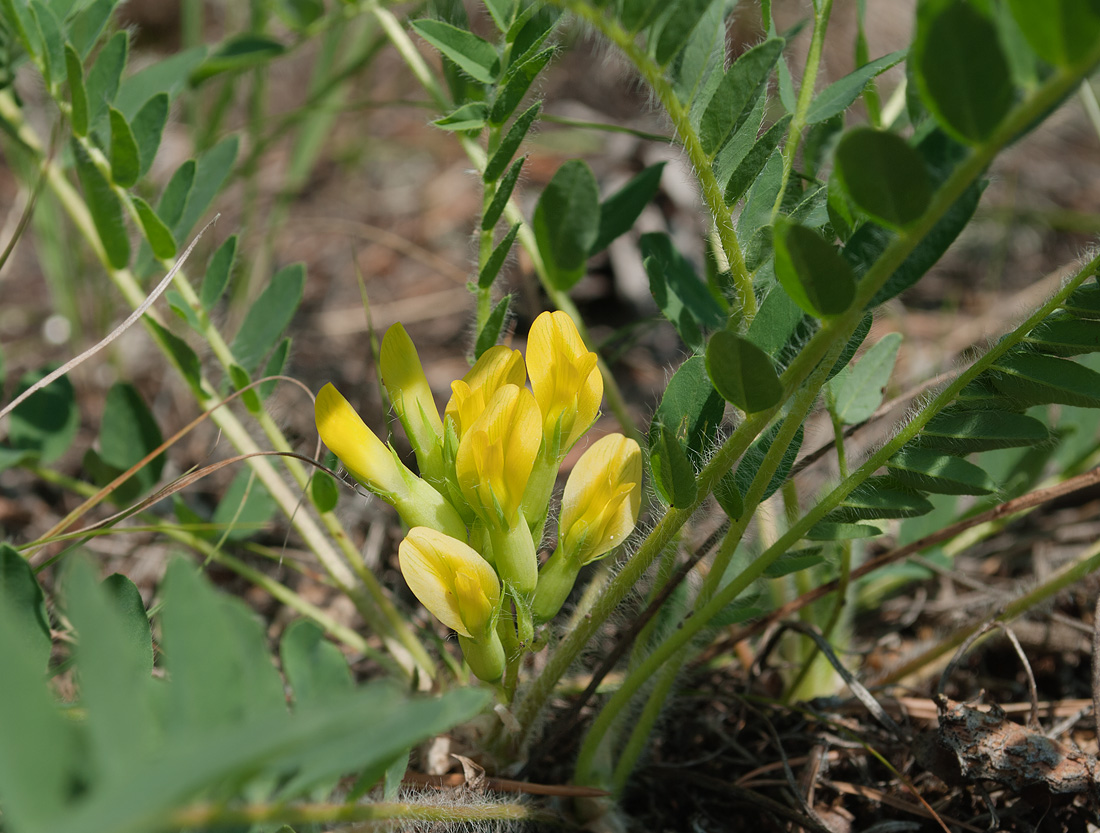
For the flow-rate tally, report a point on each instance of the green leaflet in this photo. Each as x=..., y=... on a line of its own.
x=1062, y=32
x=237, y=53
x=681, y=297
x=503, y=194
x=827, y=531
x=619, y=212
x=736, y=94
x=1062, y=335
x=469, y=116
x=742, y=373
x=961, y=432
x=1039, y=380
x=811, y=270
x=498, y=162
x=566, y=222
x=878, y=497
x=931, y=471
x=46, y=422
x=496, y=259
x=269, y=316
x=673, y=474
x=104, y=206
x=494, y=324
x=124, y=156
x=883, y=176
x=690, y=407
x=960, y=68
x=476, y=57
x=838, y=96
x=856, y=391
x=794, y=561
x=1084, y=302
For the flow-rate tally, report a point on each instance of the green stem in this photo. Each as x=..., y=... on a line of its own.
x=484, y=295
x=713, y=193
x=794, y=692
x=690, y=627
x=1068, y=575
x=219, y=815
x=644, y=722
x=805, y=97
x=379, y=612
x=711, y=584
x=408, y=51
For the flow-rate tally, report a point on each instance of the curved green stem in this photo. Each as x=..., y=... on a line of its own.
x=805, y=97
x=1066, y=576
x=377, y=609
x=405, y=47
x=691, y=627
x=832, y=332
x=590, y=746
x=713, y=193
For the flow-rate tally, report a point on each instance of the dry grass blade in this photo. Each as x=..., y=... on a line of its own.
x=131, y=319
x=1004, y=510
x=102, y=494
x=503, y=785
x=922, y=809
x=28, y=209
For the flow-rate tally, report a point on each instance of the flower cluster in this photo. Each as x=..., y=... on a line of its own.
x=487, y=469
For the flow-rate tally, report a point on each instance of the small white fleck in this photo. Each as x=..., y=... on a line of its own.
x=57, y=329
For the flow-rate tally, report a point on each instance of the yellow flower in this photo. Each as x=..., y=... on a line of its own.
x=496, y=454
x=366, y=457
x=602, y=498
x=567, y=383
x=452, y=581
x=498, y=366
x=404, y=378
x=376, y=466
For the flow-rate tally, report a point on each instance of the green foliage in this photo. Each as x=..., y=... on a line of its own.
x=238, y=53
x=812, y=272
x=269, y=316
x=962, y=72
x=566, y=222
x=45, y=423
x=1061, y=32
x=742, y=373
x=681, y=297
x=856, y=391
x=883, y=176
x=128, y=432
x=221, y=709
x=475, y=56
x=814, y=219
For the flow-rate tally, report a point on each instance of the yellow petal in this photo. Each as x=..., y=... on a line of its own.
x=450, y=579
x=404, y=378
x=365, y=456
x=498, y=366
x=567, y=383
x=497, y=453
x=602, y=498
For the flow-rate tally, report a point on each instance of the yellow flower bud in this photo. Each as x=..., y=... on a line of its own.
x=366, y=457
x=376, y=466
x=498, y=366
x=567, y=383
x=404, y=378
x=602, y=497
x=451, y=580
x=496, y=454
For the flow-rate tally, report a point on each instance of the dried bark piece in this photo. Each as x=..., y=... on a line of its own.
x=989, y=747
